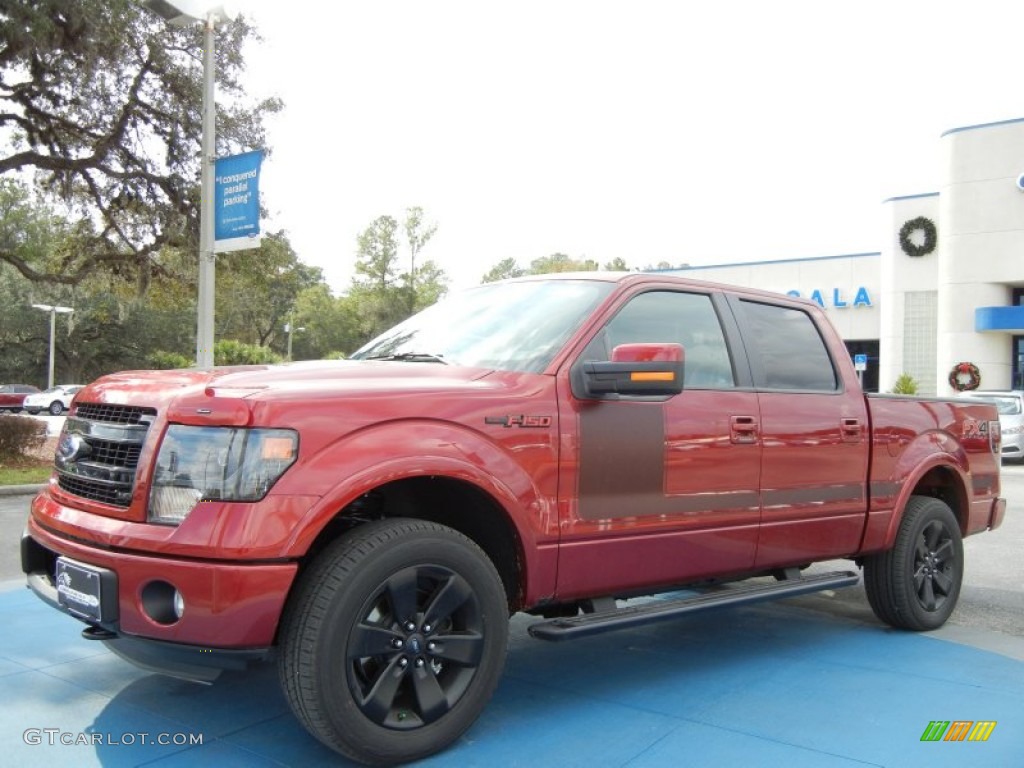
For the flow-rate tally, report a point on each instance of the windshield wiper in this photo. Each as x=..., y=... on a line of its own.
x=411, y=357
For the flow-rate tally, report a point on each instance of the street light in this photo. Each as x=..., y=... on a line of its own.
x=53, y=327
x=181, y=13
x=290, y=329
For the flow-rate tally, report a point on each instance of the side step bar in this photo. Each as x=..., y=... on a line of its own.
x=570, y=628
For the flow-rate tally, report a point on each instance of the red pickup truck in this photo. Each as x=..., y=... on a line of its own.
x=550, y=445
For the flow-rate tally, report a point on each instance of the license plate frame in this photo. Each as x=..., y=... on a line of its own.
x=86, y=591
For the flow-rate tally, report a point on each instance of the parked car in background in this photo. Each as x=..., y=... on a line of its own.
x=12, y=396
x=56, y=399
x=1010, y=404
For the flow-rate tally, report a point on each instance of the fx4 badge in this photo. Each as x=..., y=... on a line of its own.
x=974, y=428
x=519, y=421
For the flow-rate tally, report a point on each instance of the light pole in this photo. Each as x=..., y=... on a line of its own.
x=289, y=328
x=181, y=13
x=53, y=327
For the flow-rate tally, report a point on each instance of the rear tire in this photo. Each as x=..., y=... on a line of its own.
x=394, y=641
x=916, y=584
x=56, y=408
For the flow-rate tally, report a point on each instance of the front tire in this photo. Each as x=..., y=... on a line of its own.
x=916, y=584
x=56, y=408
x=394, y=640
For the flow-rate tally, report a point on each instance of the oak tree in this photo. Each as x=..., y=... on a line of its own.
x=100, y=109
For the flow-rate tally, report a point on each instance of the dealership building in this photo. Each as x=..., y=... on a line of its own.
x=944, y=297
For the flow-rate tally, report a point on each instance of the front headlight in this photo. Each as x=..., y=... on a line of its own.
x=216, y=464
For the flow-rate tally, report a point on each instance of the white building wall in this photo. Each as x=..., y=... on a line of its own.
x=922, y=308
x=981, y=252
x=907, y=323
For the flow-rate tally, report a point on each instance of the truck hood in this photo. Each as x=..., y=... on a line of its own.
x=312, y=380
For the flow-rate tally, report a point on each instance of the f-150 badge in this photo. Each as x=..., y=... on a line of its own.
x=519, y=421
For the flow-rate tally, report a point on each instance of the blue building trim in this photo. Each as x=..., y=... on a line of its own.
x=777, y=261
x=910, y=197
x=984, y=125
x=1003, y=319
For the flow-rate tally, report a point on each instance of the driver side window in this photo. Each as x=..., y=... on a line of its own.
x=670, y=317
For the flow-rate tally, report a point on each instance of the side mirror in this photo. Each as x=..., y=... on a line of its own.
x=636, y=369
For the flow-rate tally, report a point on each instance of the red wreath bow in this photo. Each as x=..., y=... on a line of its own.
x=968, y=370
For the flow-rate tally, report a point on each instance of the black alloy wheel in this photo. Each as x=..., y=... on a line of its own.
x=916, y=584
x=936, y=569
x=394, y=640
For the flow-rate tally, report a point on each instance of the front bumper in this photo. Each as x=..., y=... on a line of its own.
x=231, y=609
x=1012, y=446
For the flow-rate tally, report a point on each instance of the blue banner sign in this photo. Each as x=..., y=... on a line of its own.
x=236, y=199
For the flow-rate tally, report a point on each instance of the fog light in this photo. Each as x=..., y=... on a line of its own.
x=162, y=602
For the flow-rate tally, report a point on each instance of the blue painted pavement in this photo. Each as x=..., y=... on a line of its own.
x=767, y=685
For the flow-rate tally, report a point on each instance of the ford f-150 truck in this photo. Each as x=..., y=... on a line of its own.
x=552, y=445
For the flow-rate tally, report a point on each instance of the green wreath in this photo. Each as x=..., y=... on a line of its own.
x=965, y=377
x=931, y=236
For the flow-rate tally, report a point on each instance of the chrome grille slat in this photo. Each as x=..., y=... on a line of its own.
x=115, y=454
x=91, y=490
x=113, y=414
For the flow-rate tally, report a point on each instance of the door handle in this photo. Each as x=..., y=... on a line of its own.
x=743, y=430
x=852, y=430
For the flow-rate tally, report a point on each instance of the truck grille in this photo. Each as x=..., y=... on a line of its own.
x=99, y=451
x=113, y=414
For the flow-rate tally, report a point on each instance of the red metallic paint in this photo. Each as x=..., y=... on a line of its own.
x=227, y=605
x=379, y=439
x=648, y=353
x=635, y=540
x=813, y=476
x=751, y=480
x=919, y=437
x=232, y=531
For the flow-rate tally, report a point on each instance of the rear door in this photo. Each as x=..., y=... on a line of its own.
x=664, y=490
x=814, y=431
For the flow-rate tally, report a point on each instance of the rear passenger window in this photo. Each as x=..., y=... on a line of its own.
x=786, y=351
x=665, y=316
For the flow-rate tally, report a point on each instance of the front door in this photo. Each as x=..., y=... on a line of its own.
x=664, y=490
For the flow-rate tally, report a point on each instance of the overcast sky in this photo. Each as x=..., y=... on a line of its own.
x=705, y=133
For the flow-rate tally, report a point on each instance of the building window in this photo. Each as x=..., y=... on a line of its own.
x=869, y=347
x=920, y=321
x=1017, y=378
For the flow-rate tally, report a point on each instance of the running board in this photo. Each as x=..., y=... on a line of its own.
x=569, y=628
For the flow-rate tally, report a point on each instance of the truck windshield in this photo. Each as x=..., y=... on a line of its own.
x=516, y=326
